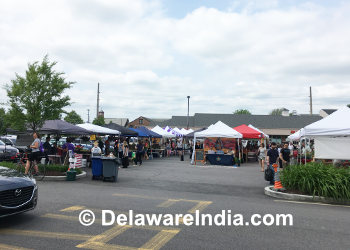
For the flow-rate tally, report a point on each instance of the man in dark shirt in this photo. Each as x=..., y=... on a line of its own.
x=284, y=155
x=139, y=152
x=272, y=157
x=47, y=148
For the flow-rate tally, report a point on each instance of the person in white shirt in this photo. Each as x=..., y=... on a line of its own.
x=96, y=150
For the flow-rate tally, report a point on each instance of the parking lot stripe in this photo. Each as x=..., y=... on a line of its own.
x=8, y=247
x=168, y=203
x=103, y=238
x=99, y=222
x=160, y=239
x=73, y=208
x=200, y=206
x=44, y=234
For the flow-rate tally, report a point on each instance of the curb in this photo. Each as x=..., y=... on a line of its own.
x=269, y=191
x=63, y=178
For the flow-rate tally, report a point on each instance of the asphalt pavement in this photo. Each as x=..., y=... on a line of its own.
x=169, y=186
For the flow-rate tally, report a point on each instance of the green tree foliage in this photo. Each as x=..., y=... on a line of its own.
x=348, y=105
x=242, y=112
x=73, y=117
x=276, y=112
x=3, y=121
x=38, y=96
x=99, y=121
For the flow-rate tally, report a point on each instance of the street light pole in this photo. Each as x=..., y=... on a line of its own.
x=188, y=110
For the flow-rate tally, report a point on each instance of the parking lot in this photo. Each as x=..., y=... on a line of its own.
x=169, y=186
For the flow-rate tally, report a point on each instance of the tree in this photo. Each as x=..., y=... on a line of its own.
x=242, y=112
x=276, y=111
x=3, y=121
x=38, y=96
x=99, y=121
x=348, y=105
x=73, y=117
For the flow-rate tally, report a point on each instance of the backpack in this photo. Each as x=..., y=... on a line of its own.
x=269, y=174
x=41, y=147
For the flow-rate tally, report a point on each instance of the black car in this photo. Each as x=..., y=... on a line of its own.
x=18, y=193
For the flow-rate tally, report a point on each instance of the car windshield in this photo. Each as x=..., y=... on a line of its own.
x=2, y=143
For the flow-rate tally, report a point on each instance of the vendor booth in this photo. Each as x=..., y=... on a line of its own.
x=252, y=139
x=146, y=133
x=219, y=145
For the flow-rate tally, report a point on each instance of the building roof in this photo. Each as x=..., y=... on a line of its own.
x=329, y=111
x=120, y=121
x=233, y=120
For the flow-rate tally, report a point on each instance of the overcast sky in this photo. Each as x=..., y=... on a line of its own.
x=149, y=55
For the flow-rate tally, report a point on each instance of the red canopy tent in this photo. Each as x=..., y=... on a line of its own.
x=248, y=133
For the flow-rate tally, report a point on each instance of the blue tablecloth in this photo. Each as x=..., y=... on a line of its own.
x=220, y=159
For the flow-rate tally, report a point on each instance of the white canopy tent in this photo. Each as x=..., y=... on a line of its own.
x=162, y=132
x=331, y=135
x=251, y=126
x=219, y=129
x=185, y=131
x=297, y=135
x=98, y=129
x=336, y=124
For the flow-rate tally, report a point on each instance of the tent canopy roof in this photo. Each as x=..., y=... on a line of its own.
x=98, y=129
x=162, y=132
x=219, y=129
x=62, y=127
x=145, y=132
x=248, y=132
x=123, y=130
x=336, y=124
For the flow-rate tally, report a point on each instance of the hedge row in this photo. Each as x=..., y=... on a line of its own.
x=50, y=167
x=318, y=179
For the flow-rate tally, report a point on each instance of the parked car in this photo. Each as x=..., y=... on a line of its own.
x=18, y=193
x=7, y=152
x=7, y=141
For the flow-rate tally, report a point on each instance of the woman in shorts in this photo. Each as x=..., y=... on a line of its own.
x=262, y=156
x=35, y=156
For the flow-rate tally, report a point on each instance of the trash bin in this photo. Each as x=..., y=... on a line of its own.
x=110, y=168
x=71, y=175
x=96, y=167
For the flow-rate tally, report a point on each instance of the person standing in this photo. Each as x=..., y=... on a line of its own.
x=100, y=144
x=120, y=149
x=262, y=156
x=272, y=157
x=125, y=159
x=139, y=152
x=96, y=150
x=284, y=156
x=35, y=154
x=47, y=149
x=107, y=145
x=168, y=149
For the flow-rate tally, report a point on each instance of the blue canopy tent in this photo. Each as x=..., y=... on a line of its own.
x=145, y=132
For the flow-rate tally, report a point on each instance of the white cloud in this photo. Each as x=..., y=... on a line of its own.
x=256, y=56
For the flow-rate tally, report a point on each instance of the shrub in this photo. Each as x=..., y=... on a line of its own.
x=318, y=179
x=51, y=167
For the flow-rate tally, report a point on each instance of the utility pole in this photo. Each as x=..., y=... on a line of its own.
x=188, y=111
x=88, y=121
x=98, y=99
x=310, y=101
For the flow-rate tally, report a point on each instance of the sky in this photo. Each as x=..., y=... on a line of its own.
x=149, y=55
